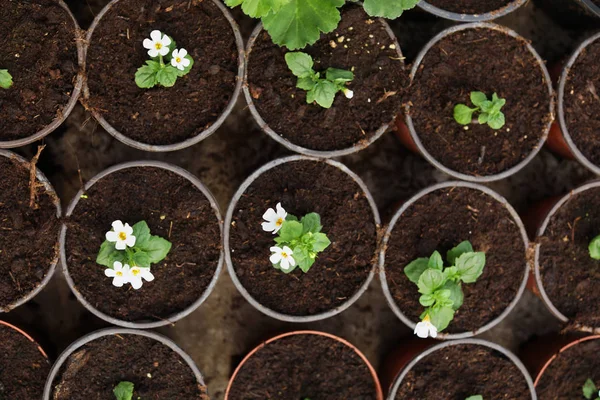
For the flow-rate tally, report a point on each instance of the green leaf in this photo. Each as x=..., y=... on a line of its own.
x=339, y=75
x=320, y=242
x=496, y=121
x=303, y=259
x=145, y=77
x=324, y=93
x=441, y=317
x=301, y=64
x=187, y=69
x=167, y=76
x=435, y=261
x=426, y=300
x=476, y=397
x=497, y=103
x=390, y=9
x=141, y=259
x=454, y=253
x=156, y=248
x=141, y=231
x=483, y=118
x=257, y=8
x=463, y=114
x=306, y=83
x=589, y=389
x=290, y=230
x=478, y=98
x=123, y=391
x=487, y=106
x=415, y=269
x=291, y=217
x=456, y=294
x=430, y=281
x=311, y=223
x=594, y=248
x=451, y=273
x=470, y=266
x=6, y=79
x=108, y=254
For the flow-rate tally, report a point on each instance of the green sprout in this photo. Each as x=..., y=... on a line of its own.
x=590, y=391
x=476, y=397
x=321, y=90
x=594, y=248
x=6, y=79
x=489, y=111
x=123, y=391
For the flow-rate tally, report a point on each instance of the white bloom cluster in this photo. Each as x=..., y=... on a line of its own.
x=158, y=45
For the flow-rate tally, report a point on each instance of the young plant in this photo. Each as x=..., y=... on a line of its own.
x=594, y=248
x=489, y=111
x=590, y=391
x=129, y=251
x=321, y=90
x=167, y=62
x=299, y=241
x=123, y=391
x=5, y=79
x=476, y=397
x=441, y=287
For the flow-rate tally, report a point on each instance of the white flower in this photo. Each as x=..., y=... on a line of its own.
x=119, y=273
x=136, y=274
x=283, y=257
x=348, y=93
x=425, y=328
x=178, y=59
x=157, y=44
x=275, y=219
x=122, y=235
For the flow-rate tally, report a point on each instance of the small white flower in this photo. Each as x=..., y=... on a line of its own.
x=425, y=328
x=274, y=219
x=119, y=273
x=348, y=93
x=136, y=274
x=157, y=44
x=283, y=257
x=122, y=235
x=178, y=59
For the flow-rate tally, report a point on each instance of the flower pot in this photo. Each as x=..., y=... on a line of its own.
x=572, y=14
x=43, y=52
x=163, y=119
x=178, y=208
x=22, y=361
x=479, y=57
x=439, y=218
x=349, y=218
x=462, y=368
x=94, y=364
x=366, y=46
x=29, y=235
x=305, y=364
x=471, y=10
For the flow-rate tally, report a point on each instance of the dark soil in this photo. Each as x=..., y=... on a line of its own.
x=347, y=219
x=362, y=45
x=568, y=372
x=156, y=371
x=488, y=61
x=29, y=236
x=470, y=6
x=304, y=367
x=582, y=102
x=441, y=220
x=38, y=49
x=463, y=370
x=175, y=210
x=23, y=368
x=568, y=273
x=162, y=116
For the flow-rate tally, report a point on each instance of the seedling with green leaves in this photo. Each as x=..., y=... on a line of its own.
x=590, y=390
x=594, y=248
x=476, y=397
x=123, y=391
x=6, y=79
x=489, y=111
x=320, y=90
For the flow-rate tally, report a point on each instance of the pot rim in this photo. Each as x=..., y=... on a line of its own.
x=229, y=217
x=502, y=11
x=591, y=6
x=63, y=232
x=388, y=232
x=195, y=139
x=515, y=168
x=27, y=336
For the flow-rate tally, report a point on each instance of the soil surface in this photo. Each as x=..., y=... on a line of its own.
x=162, y=116
x=156, y=371
x=175, y=210
x=339, y=271
x=491, y=62
x=304, y=367
x=441, y=220
x=29, y=238
x=23, y=368
x=568, y=273
x=470, y=6
x=360, y=44
x=39, y=51
x=463, y=370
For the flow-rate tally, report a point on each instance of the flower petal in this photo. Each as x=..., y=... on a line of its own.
x=275, y=258
x=148, y=44
x=270, y=215
x=156, y=35
x=109, y=272
x=111, y=236
x=285, y=265
x=136, y=282
x=185, y=62
x=180, y=67
x=291, y=261
x=118, y=281
x=166, y=41
x=153, y=52
x=120, y=245
x=277, y=228
x=147, y=275
x=183, y=53
x=281, y=213
x=173, y=61
x=127, y=229
x=287, y=250
x=117, y=266
x=117, y=225
x=275, y=249
x=268, y=226
x=421, y=330
x=164, y=51
x=130, y=241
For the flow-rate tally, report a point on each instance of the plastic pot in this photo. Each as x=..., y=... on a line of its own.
x=27, y=336
x=191, y=141
x=590, y=7
x=63, y=233
x=512, y=6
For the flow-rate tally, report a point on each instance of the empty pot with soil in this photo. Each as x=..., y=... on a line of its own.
x=301, y=238
x=40, y=80
x=29, y=225
x=481, y=103
x=471, y=10
x=116, y=361
x=304, y=365
x=141, y=246
x=163, y=75
x=453, y=260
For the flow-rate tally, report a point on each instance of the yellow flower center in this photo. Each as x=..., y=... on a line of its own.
x=122, y=236
x=426, y=319
x=135, y=272
x=158, y=46
x=284, y=255
x=178, y=60
x=119, y=273
x=279, y=222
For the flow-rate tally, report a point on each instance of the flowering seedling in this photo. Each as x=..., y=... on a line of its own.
x=321, y=90
x=299, y=241
x=129, y=251
x=489, y=111
x=594, y=248
x=123, y=391
x=441, y=287
x=5, y=79
x=167, y=62
x=590, y=391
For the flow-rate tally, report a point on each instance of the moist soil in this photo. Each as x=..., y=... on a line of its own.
x=568, y=372
x=441, y=220
x=491, y=62
x=302, y=367
x=23, y=368
x=463, y=370
x=156, y=371
x=162, y=116
x=569, y=275
x=470, y=6
x=175, y=210
x=29, y=236
x=40, y=52
x=339, y=271
x=582, y=102
x=360, y=44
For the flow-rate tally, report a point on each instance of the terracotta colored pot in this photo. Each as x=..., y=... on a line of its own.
x=400, y=357
x=512, y=6
x=27, y=336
